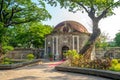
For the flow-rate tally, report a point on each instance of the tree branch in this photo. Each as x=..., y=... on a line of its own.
x=25, y=21
x=15, y=11
x=83, y=6
x=1, y=7
x=106, y=10
x=103, y=14
x=8, y=3
x=12, y=13
x=91, y=14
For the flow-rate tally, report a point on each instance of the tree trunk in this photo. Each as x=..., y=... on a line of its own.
x=87, y=49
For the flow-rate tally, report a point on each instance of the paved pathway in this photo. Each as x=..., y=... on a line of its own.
x=44, y=71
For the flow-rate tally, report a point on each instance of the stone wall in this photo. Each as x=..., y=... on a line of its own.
x=21, y=53
x=113, y=52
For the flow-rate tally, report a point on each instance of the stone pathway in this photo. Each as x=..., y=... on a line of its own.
x=44, y=71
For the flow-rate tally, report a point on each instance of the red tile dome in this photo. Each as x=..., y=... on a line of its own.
x=69, y=26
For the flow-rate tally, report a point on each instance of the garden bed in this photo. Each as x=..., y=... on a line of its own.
x=96, y=72
x=16, y=65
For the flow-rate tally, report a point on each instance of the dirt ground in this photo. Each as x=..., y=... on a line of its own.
x=43, y=71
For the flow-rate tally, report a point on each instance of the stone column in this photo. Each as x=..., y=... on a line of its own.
x=45, y=49
x=52, y=45
x=57, y=44
x=73, y=41
x=78, y=44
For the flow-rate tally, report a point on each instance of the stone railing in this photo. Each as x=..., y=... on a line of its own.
x=88, y=71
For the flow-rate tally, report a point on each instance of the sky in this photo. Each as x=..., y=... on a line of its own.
x=109, y=25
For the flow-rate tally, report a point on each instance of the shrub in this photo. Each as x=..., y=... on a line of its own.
x=118, y=60
x=30, y=56
x=79, y=60
x=50, y=55
x=7, y=49
x=114, y=61
x=100, y=63
x=73, y=57
x=6, y=61
x=115, y=65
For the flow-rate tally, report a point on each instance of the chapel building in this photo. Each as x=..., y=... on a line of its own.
x=67, y=35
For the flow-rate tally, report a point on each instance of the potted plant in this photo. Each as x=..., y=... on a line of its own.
x=50, y=56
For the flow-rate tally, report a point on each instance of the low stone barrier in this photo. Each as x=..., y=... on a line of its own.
x=102, y=73
x=16, y=65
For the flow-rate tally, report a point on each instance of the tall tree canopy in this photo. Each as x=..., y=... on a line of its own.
x=27, y=36
x=14, y=12
x=96, y=10
x=117, y=39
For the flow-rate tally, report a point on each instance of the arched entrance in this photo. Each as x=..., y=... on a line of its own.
x=64, y=50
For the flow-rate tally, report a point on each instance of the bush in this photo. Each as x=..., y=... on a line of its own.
x=118, y=60
x=79, y=60
x=50, y=55
x=100, y=63
x=7, y=49
x=114, y=61
x=6, y=61
x=30, y=56
x=73, y=57
x=115, y=65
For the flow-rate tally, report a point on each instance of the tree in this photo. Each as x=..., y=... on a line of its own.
x=117, y=39
x=14, y=12
x=27, y=36
x=17, y=35
x=96, y=10
x=37, y=34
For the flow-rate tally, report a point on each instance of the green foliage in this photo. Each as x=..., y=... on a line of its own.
x=98, y=6
x=115, y=65
x=111, y=44
x=78, y=60
x=114, y=61
x=102, y=41
x=6, y=61
x=118, y=60
x=50, y=55
x=6, y=49
x=27, y=36
x=2, y=32
x=18, y=12
x=117, y=39
x=15, y=12
x=30, y=56
x=71, y=54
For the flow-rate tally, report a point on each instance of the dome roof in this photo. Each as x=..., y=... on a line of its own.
x=70, y=26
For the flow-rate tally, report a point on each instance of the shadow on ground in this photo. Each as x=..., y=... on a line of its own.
x=26, y=78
